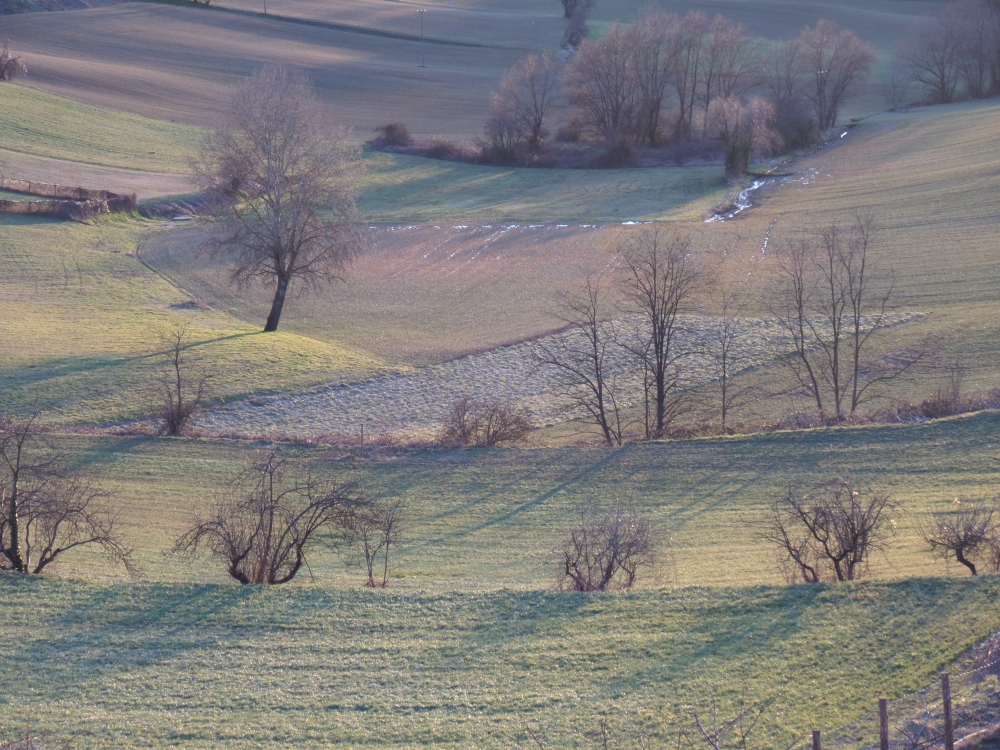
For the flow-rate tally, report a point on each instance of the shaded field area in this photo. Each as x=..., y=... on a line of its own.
x=487, y=519
x=149, y=666
x=398, y=188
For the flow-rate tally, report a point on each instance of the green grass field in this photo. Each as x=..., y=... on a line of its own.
x=96, y=316
x=485, y=519
x=471, y=640
x=151, y=666
x=472, y=645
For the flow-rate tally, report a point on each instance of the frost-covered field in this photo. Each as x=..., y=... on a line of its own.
x=412, y=403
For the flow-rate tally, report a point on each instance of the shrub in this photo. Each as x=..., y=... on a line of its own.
x=830, y=534
x=570, y=131
x=618, y=153
x=484, y=423
x=607, y=551
x=393, y=134
x=10, y=66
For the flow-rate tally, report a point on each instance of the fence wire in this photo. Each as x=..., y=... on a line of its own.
x=917, y=721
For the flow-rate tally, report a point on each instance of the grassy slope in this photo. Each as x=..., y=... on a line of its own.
x=929, y=177
x=36, y=122
x=483, y=519
x=95, y=315
x=224, y=667
x=406, y=188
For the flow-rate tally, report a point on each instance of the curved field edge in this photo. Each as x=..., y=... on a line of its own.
x=149, y=666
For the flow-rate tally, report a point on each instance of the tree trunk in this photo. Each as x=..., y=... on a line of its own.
x=279, y=302
x=14, y=553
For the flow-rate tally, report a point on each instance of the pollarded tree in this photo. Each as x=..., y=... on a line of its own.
x=834, y=59
x=48, y=509
x=970, y=534
x=265, y=527
x=831, y=533
x=286, y=178
x=607, y=551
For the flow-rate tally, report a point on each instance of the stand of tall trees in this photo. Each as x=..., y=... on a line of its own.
x=667, y=77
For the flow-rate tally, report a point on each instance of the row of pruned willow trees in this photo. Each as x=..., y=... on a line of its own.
x=671, y=78
x=261, y=528
x=275, y=513
x=828, y=291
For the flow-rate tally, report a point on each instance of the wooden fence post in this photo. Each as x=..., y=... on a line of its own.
x=949, y=733
x=883, y=724
x=817, y=740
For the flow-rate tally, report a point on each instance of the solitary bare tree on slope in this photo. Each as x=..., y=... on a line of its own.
x=286, y=178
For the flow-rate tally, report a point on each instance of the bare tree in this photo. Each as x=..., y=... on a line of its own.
x=263, y=530
x=11, y=66
x=600, y=81
x=687, y=73
x=831, y=533
x=744, y=129
x=896, y=86
x=572, y=7
x=725, y=334
x=503, y=131
x=659, y=281
x=706, y=728
x=729, y=66
x=528, y=91
x=656, y=36
x=287, y=181
x=833, y=301
x=934, y=54
x=181, y=387
x=835, y=59
x=373, y=530
x=782, y=78
x=608, y=550
x=484, y=423
x=582, y=359
x=979, y=54
x=970, y=534
x=47, y=509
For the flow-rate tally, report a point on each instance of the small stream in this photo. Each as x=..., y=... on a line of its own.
x=741, y=203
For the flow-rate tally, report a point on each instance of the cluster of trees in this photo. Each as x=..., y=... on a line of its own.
x=831, y=297
x=956, y=53
x=667, y=77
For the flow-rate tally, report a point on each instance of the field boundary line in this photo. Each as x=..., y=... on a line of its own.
x=332, y=25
